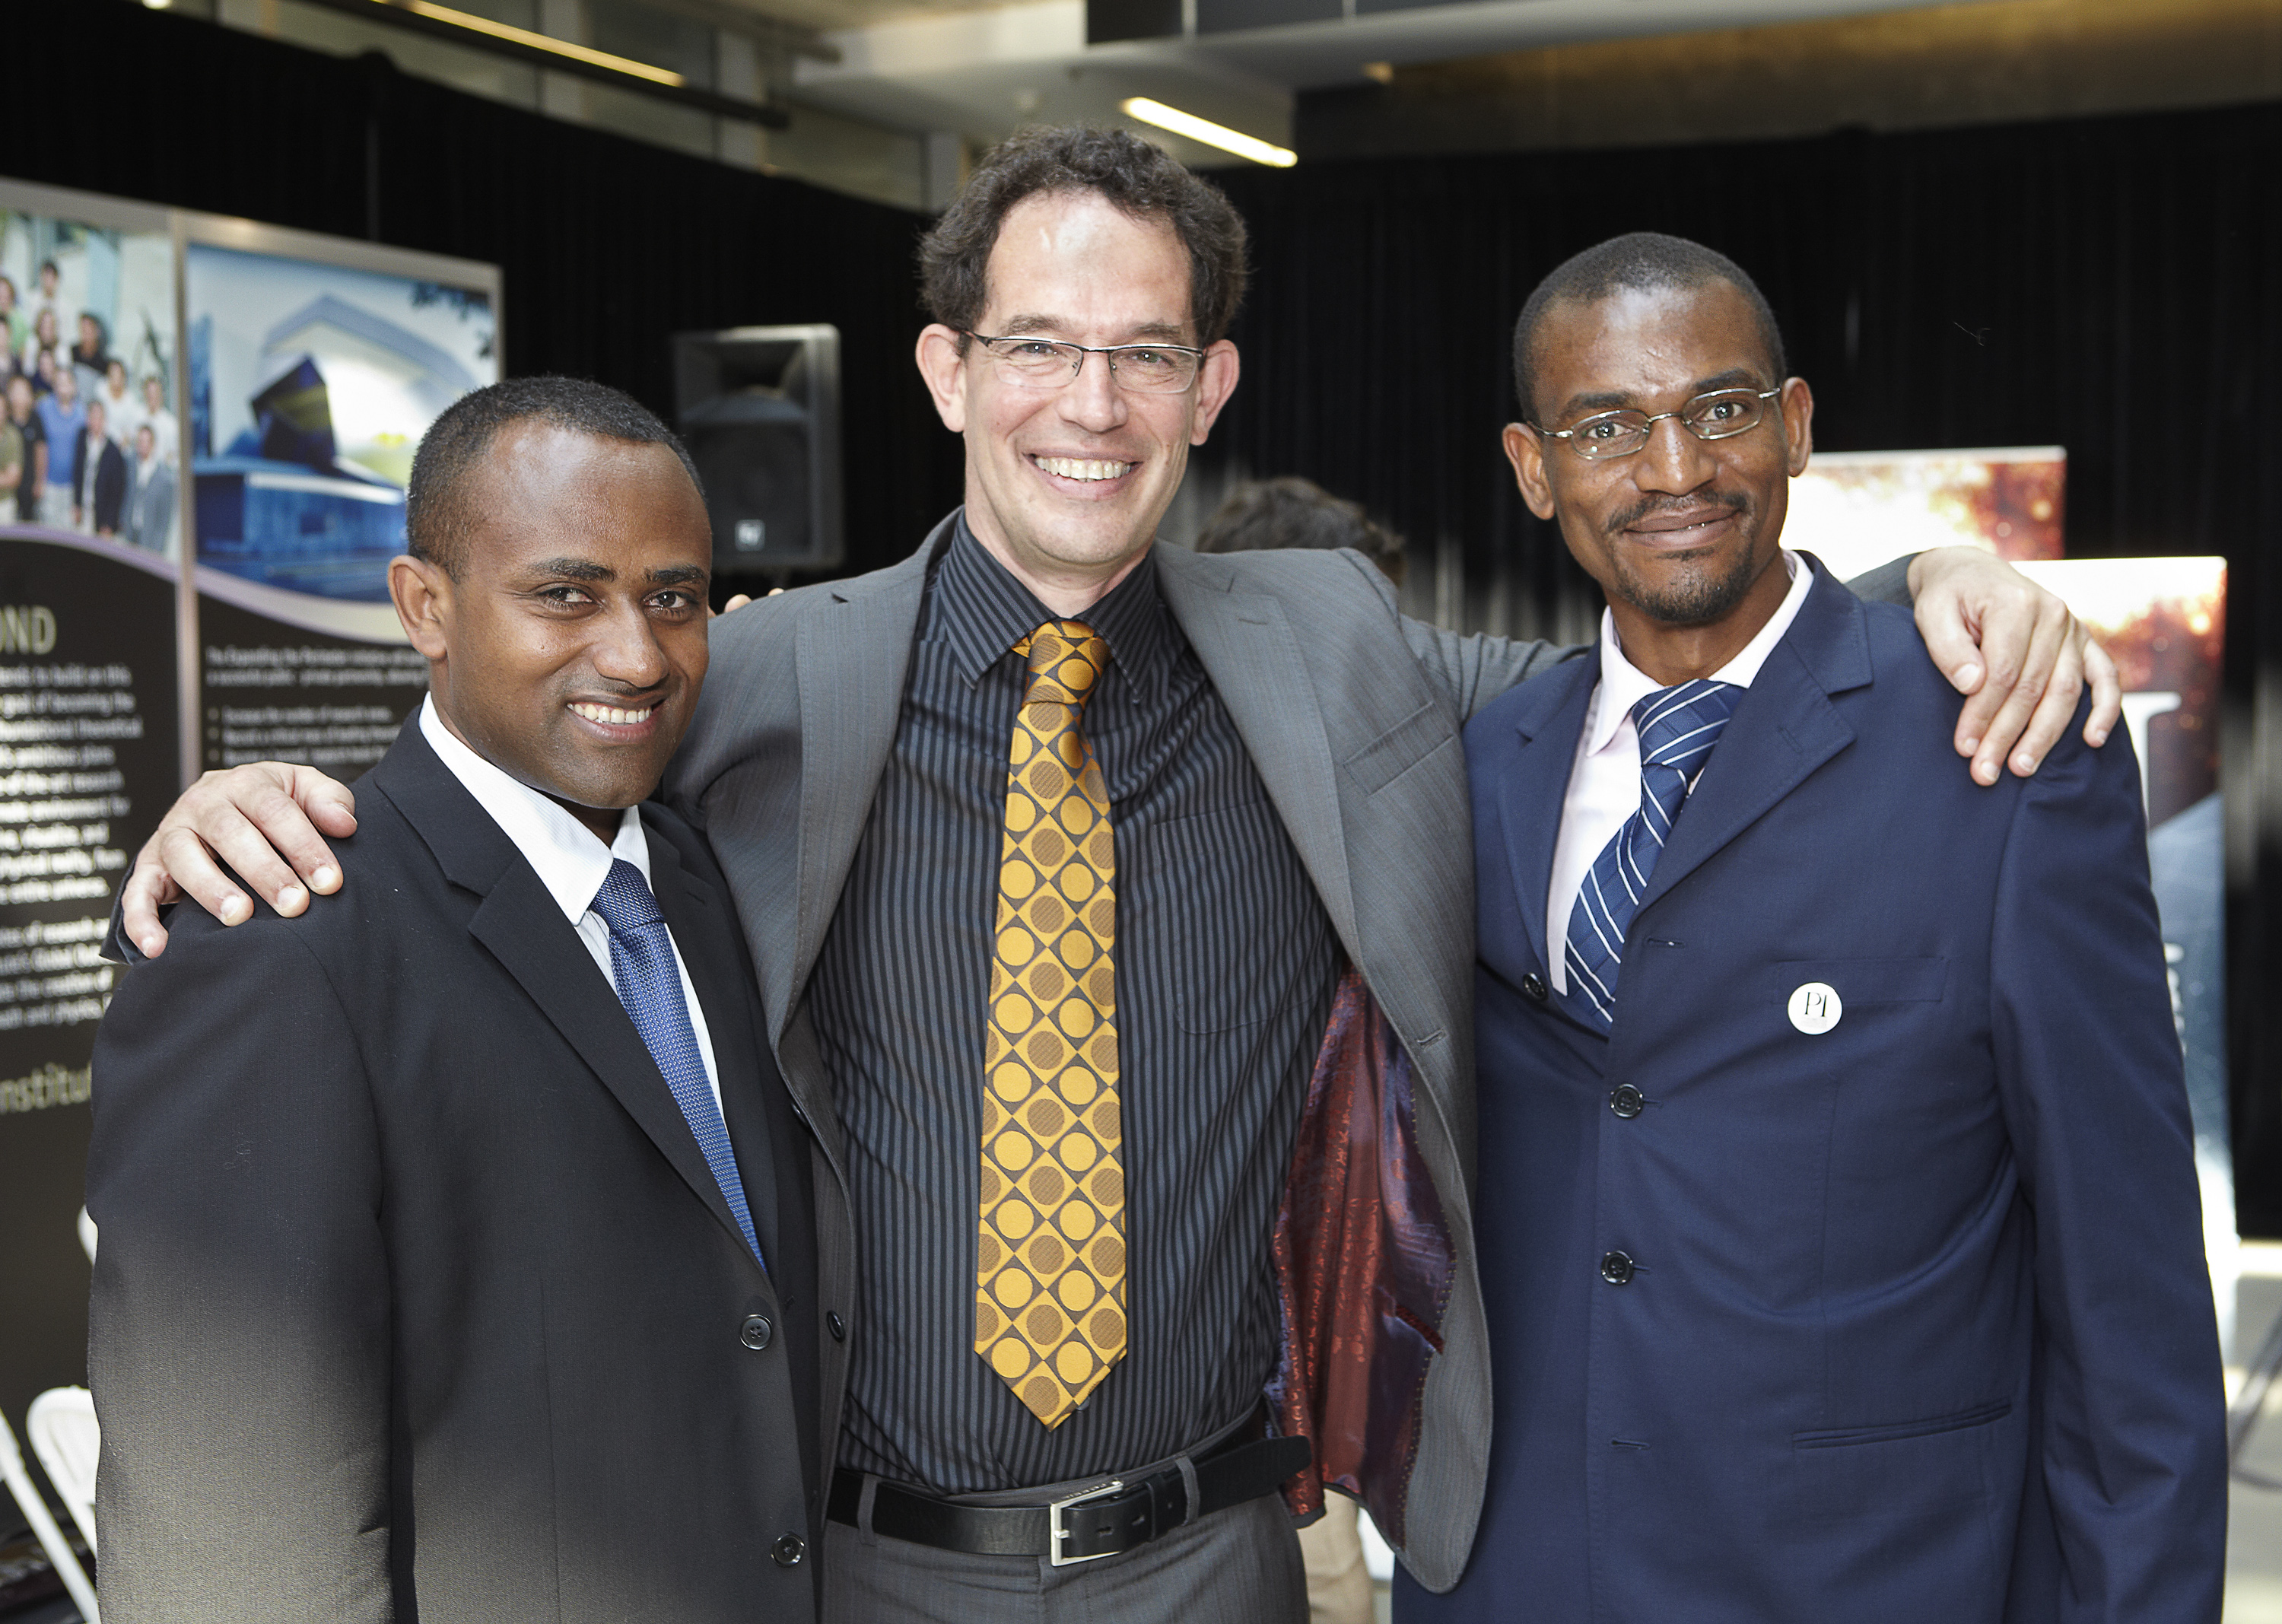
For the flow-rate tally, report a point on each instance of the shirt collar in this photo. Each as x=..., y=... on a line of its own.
x=977, y=607
x=572, y=863
x=1624, y=684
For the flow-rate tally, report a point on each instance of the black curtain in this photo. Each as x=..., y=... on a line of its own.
x=608, y=246
x=2110, y=285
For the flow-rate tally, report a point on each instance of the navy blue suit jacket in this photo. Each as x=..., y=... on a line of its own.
x=1918, y=1326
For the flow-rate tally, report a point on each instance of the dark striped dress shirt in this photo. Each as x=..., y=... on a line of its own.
x=1225, y=968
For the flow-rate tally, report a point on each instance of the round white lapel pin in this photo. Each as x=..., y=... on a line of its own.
x=1816, y=1009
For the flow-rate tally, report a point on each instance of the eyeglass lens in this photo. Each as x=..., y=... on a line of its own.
x=1048, y=363
x=1712, y=417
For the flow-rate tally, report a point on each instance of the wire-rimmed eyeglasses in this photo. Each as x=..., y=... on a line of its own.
x=1716, y=415
x=1049, y=363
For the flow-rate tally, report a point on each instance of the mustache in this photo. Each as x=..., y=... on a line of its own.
x=1736, y=501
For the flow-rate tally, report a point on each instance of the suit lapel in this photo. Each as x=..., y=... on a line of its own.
x=694, y=916
x=1784, y=729
x=851, y=662
x=518, y=922
x=1550, y=717
x=1248, y=649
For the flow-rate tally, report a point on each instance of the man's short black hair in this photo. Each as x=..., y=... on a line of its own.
x=435, y=515
x=1640, y=261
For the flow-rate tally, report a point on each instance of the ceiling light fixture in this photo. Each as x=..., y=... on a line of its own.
x=1211, y=134
x=537, y=42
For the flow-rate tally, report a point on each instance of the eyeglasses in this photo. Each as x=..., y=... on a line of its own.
x=1049, y=363
x=1717, y=416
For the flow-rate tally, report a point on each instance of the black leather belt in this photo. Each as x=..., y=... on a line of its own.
x=1111, y=1517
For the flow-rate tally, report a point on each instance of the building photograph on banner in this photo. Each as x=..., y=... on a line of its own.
x=90, y=700
x=314, y=367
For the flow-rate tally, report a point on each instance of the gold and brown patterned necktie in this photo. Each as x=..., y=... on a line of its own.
x=1050, y=1258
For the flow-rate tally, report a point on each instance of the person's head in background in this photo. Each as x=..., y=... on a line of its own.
x=1295, y=512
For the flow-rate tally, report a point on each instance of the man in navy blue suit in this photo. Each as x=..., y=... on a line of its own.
x=1838, y=1225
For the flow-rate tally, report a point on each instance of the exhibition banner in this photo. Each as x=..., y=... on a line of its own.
x=172, y=387
x=89, y=703
x=315, y=368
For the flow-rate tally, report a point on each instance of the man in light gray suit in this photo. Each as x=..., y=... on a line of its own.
x=1056, y=1007
x=151, y=503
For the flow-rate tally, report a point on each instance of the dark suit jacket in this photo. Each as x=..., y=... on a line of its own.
x=416, y=1298
x=110, y=484
x=1919, y=1328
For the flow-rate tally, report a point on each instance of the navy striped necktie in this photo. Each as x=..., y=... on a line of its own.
x=649, y=985
x=1677, y=726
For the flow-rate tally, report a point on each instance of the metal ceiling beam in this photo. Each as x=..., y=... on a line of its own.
x=472, y=39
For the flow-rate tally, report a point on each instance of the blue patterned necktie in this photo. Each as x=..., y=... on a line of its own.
x=1677, y=726
x=649, y=985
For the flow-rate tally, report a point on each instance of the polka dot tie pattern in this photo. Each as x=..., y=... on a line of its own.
x=648, y=984
x=1050, y=1257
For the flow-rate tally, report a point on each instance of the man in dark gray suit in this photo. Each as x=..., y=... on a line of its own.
x=457, y=1252
x=1034, y=1417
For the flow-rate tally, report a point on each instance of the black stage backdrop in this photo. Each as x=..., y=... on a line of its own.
x=2109, y=285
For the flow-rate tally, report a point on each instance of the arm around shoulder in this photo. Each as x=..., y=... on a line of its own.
x=239, y=1329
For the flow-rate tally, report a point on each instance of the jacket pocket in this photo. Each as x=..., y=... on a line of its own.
x=1839, y=1438
x=1865, y=981
x=1401, y=748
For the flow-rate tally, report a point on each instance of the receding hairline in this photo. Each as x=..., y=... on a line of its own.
x=1771, y=363
x=1160, y=220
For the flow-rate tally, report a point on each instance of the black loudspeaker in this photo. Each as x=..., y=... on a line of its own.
x=759, y=410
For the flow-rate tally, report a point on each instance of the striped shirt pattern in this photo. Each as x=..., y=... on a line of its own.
x=1225, y=968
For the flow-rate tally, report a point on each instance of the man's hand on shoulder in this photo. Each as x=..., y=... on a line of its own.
x=266, y=820
x=2016, y=652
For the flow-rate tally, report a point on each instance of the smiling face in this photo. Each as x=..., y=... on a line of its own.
x=570, y=650
x=1065, y=484
x=1682, y=533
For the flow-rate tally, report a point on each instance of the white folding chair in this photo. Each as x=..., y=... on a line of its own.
x=64, y=1435
x=34, y=1507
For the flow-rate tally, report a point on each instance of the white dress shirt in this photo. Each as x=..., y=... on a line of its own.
x=1604, y=781
x=571, y=862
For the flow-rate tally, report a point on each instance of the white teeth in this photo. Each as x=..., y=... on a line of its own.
x=1082, y=468
x=613, y=715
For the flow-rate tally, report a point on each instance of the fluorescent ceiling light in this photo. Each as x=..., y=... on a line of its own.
x=537, y=42
x=1211, y=134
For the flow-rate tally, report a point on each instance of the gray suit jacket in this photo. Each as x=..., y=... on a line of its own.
x=1351, y=714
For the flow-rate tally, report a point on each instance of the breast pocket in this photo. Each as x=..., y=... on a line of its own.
x=1401, y=748
x=1817, y=996
x=1255, y=940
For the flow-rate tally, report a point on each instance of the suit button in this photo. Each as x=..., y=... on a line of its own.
x=755, y=1333
x=788, y=1549
x=1626, y=1100
x=1533, y=988
x=837, y=1326
x=1616, y=1268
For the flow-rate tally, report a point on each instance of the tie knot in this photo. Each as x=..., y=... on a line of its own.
x=1066, y=659
x=1678, y=726
x=625, y=902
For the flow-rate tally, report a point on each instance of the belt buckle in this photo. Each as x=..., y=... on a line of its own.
x=1056, y=1535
